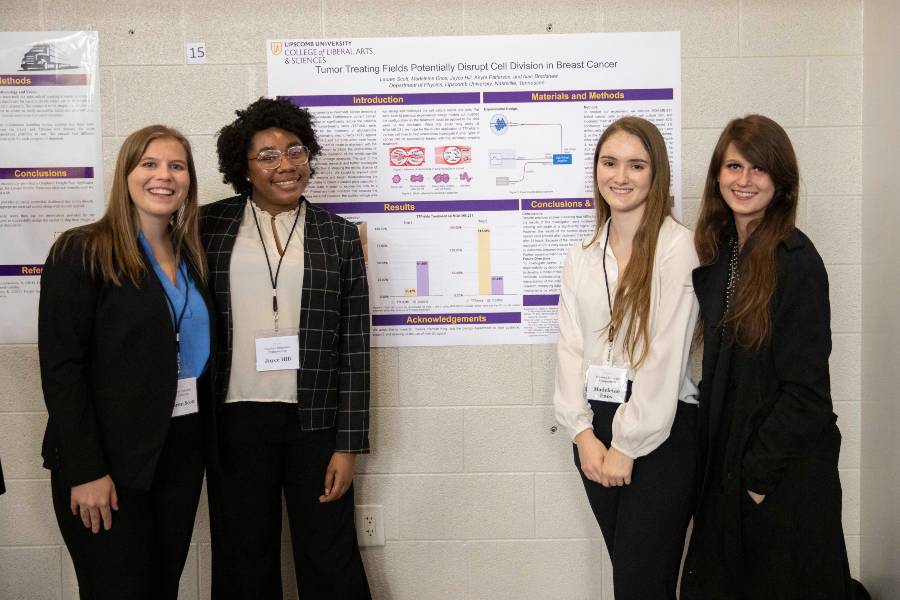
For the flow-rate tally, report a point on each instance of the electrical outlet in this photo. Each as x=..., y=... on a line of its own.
x=369, y=525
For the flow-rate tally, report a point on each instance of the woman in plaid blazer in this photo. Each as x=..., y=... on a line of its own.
x=289, y=285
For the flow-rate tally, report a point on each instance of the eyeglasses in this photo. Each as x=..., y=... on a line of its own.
x=271, y=159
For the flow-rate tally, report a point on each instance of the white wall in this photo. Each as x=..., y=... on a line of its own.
x=880, y=547
x=480, y=499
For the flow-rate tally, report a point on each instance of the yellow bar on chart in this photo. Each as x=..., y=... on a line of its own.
x=484, y=261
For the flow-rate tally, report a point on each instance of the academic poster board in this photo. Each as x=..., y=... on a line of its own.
x=467, y=162
x=50, y=160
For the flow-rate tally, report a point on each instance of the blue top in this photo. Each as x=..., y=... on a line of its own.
x=195, y=323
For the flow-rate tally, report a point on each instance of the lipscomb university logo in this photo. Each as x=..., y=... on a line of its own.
x=277, y=47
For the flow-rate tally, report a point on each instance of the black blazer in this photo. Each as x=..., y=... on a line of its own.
x=108, y=371
x=333, y=380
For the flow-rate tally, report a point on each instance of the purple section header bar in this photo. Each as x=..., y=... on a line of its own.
x=580, y=95
x=540, y=300
x=20, y=270
x=558, y=204
x=387, y=99
x=447, y=319
x=28, y=80
x=409, y=206
x=47, y=173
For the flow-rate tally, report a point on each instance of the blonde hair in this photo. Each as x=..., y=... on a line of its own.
x=110, y=245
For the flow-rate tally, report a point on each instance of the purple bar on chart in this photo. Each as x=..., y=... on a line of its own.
x=421, y=278
x=496, y=284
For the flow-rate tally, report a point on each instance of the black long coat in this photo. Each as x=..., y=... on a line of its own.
x=767, y=425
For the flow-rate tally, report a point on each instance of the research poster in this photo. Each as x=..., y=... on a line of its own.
x=467, y=162
x=50, y=160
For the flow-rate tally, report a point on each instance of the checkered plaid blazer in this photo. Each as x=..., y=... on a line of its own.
x=333, y=380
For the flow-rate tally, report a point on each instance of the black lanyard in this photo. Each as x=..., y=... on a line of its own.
x=612, y=334
x=180, y=317
x=274, y=278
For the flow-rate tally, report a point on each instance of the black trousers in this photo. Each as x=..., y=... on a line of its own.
x=264, y=453
x=644, y=523
x=141, y=557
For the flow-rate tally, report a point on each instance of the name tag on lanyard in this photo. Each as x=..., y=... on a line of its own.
x=606, y=383
x=277, y=350
x=186, y=391
x=186, y=397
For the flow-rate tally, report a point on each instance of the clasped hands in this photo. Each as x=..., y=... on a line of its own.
x=606, y=466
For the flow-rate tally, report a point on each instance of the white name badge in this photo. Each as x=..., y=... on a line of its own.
x=277, y=351
x=606, y=383
x=185, y=397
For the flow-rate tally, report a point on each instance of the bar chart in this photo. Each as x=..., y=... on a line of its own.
x=478, y=266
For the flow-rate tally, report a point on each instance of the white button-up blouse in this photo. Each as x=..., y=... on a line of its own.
x=643, y=423
x=251, y=300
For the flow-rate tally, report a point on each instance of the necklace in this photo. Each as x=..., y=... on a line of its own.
x=734, y=275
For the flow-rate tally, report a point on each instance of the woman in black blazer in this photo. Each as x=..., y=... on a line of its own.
x=124, y=341
x=288, y=275
x=768, y=520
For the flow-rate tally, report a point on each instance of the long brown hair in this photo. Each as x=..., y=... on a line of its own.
x=764, y=144
x=632, y=301
x=110, y=244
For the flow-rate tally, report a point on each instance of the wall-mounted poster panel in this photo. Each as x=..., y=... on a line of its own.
x=50, y=160
x=467, y=164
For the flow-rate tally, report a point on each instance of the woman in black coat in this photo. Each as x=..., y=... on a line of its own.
x=768, y=520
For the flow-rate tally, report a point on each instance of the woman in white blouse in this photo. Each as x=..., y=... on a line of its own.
x=627, y=313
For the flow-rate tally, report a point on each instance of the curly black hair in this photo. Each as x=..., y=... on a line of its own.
x=234, y=139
